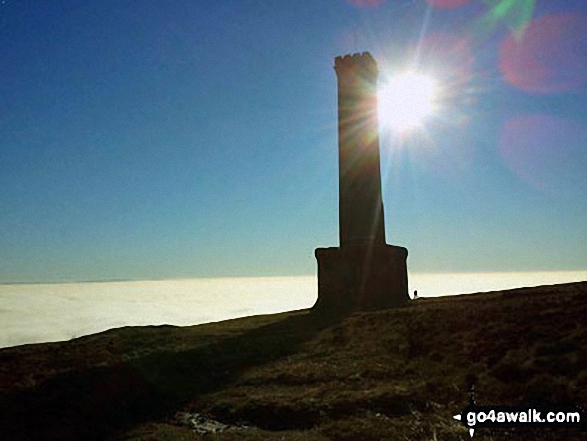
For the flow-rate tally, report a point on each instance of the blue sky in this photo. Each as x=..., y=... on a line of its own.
x=198, y=138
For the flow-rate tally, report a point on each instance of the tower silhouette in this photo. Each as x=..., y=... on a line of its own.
x=364, y=273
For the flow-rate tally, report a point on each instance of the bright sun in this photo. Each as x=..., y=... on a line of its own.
x=406, y=101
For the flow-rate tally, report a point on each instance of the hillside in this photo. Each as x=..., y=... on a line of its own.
x=396, y=374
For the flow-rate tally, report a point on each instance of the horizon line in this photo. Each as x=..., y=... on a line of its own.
x=161, y=279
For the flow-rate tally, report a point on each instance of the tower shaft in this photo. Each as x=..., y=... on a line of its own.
x=360, y=202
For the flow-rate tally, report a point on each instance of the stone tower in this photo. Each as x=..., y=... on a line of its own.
x=364, y=273
x=359, y=171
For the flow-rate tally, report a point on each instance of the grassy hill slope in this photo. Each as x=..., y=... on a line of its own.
x=396, y=374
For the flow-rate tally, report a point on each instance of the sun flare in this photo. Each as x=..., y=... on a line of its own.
x=406, y=101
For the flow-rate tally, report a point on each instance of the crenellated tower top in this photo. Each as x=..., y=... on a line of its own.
x=363, y=62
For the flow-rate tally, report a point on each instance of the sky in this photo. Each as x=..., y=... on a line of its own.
x=147, y=140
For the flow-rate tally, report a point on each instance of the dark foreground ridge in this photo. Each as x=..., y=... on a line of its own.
x=395, y=374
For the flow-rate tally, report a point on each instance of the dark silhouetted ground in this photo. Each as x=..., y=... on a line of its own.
x=398, y=374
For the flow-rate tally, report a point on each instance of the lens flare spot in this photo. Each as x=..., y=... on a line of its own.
x=547, y=153
x=406, y=100
x=444, y=97
x=550, y=56
x=515, y=14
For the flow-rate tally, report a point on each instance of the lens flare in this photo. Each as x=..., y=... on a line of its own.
x=406, y=100
x=451, y=58
x=551, y=56
x=547, y=153
x=443, y=95
x=516, y=14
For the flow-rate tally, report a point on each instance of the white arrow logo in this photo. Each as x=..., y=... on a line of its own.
x=458, y=418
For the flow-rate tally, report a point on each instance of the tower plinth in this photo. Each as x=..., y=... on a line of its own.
x=364, y=273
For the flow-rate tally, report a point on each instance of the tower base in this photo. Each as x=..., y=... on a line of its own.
x=361, y=278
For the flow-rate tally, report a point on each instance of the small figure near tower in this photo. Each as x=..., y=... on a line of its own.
x=364, y=273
